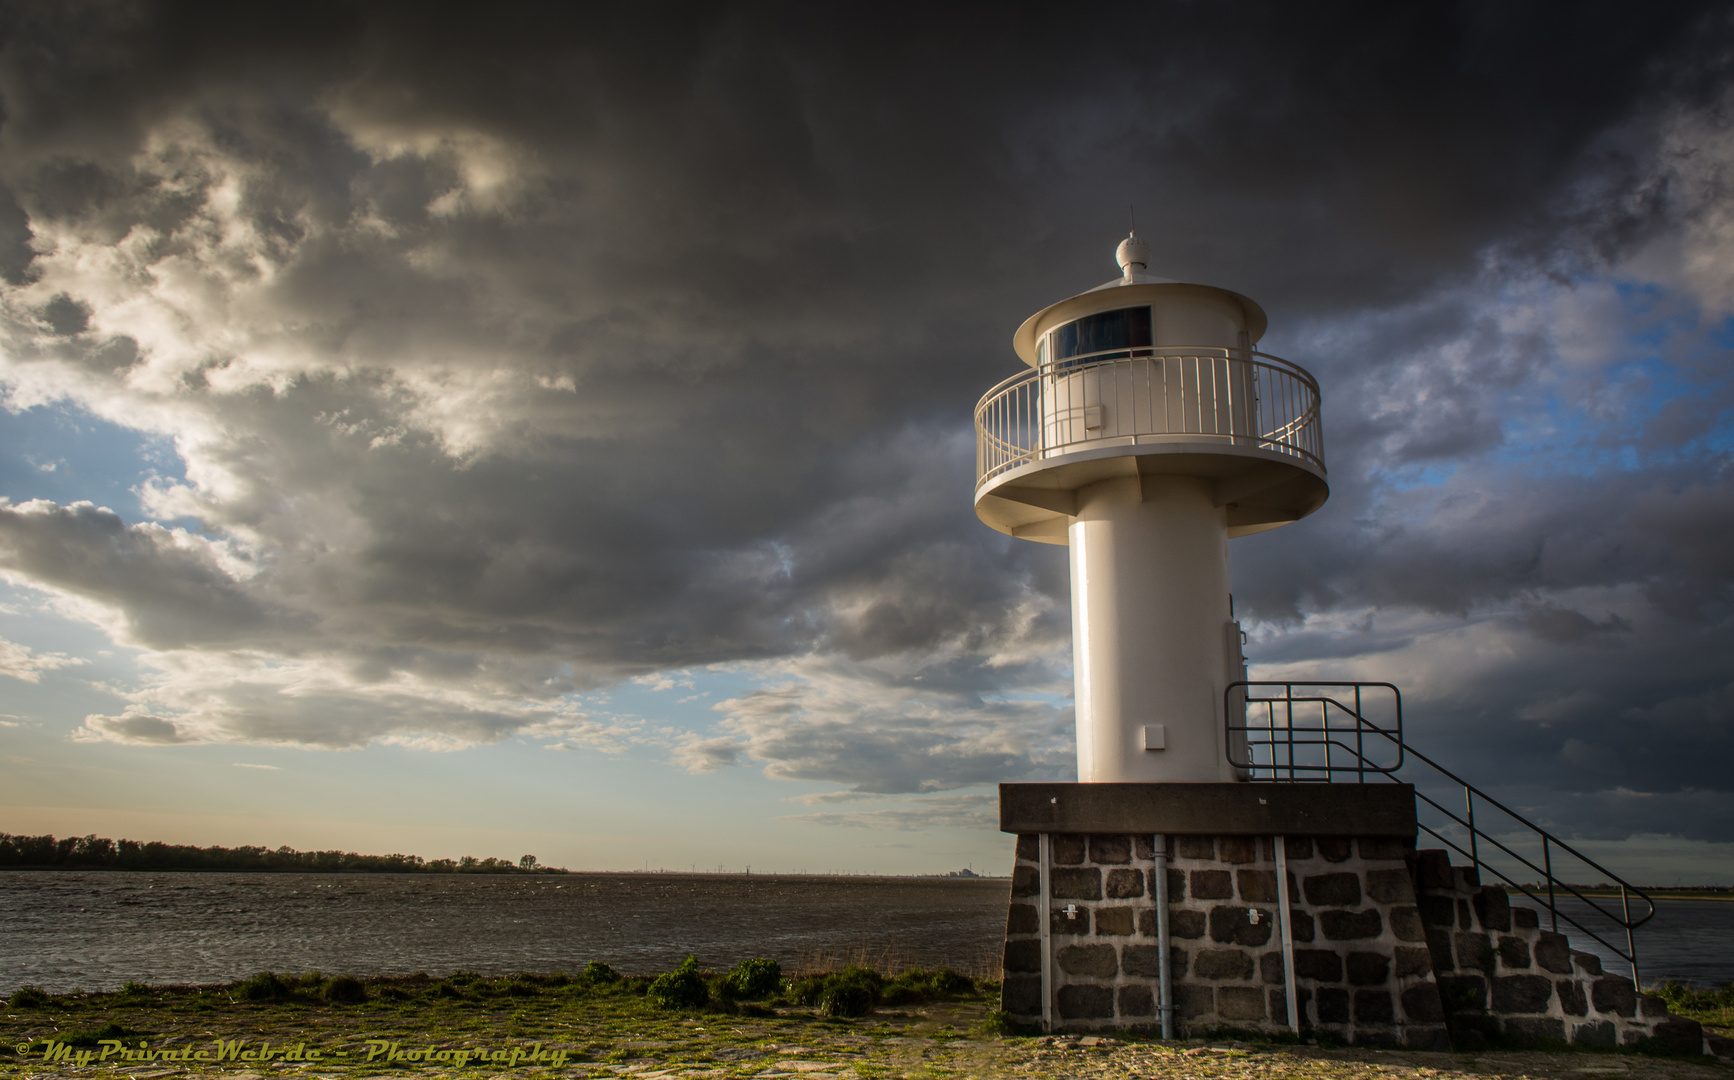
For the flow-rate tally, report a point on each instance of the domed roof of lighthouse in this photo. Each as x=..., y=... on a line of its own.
x=1133, y=256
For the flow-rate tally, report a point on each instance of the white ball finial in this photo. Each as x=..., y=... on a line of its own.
x=1133, y=255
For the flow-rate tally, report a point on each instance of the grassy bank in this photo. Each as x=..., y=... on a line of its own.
x=844, y=1023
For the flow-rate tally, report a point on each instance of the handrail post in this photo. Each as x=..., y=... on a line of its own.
x=1631, y=946
x=1547, y=861
x=1474, y=848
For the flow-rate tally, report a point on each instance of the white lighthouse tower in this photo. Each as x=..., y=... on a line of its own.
x=1147, y=434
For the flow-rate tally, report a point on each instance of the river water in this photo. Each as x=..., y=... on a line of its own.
x=73, y=930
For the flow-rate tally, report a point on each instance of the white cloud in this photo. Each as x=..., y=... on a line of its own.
x=23, y=663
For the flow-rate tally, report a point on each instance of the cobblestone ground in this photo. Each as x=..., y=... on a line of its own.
x=614, y=1037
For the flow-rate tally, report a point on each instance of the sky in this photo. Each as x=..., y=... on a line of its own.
x=547, y=429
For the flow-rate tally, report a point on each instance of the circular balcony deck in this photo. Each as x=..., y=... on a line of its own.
x=1244, y=420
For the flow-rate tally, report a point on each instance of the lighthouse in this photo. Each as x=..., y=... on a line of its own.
x=1148, y=432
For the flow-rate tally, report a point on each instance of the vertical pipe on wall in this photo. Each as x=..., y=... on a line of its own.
x=1046, y=915
x=1285, y=920
x=1165, y=976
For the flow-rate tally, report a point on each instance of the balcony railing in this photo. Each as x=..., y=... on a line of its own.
x=1132, y=397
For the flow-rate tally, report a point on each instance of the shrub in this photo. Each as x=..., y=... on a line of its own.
x=682, y=988
x=343, y=988
x=519, y=986
x=916, y=984
x=846, y=998
x=754, y=978
x=135, y=990
x=600, y=974
x=28, y=997
x=446, y=989
x=265, y=986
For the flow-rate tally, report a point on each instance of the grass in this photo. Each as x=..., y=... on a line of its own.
x=1712, y=1008
x=925, y=1024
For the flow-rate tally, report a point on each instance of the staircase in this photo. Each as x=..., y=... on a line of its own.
x=1501, y=976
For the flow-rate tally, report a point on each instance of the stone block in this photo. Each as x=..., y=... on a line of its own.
x=1114, y=921
x=1390, y=886
x=1319, y=965
x=1279, y=1006
x=1021, y=995
x=1351, y=925
x=1493, y=908
x=1465, y=919
x=1256, y=886
x=1195, y=847
x=1436, y=1039
x=1145, y=961
x=1651, y=1007
x=1124, y=884
x=1463, y=993
x=1597, y=1033
x=1439, y=947
x=1094, y=961
x=1111, y=849
x=1083, y=883
x=1438, y=911
x=1572, y=1000
x=1517, y=994
x=1176, y=885
x=1026, y=881
x=1229, y=923
x=1513, y=953
x=1212, y=885
x=1300, y=924
x=1474, y=953
x=1066, y=849
x=1086, y=1002
x=1299, y=847
x=1240, y=1003
x=1611, y=994
x=1076, y=924
x=1369, y=968
x=1588, y=963
x=1465, y=878
x=1333, y=1005
x=1182, y=923
x=1406, y=924
x=1270, y=967
x=1334, y=848
x=1332, y=890
x=1192, y=1000
x=1029, y=848
x=1553, y=953
x=1381, y=847
x=1222, y=964
x=1421, y=1004
x=1413, y=960
x=1523, y=918
x=1374, y=1007
x=1239, y=849
x=1679, y=1035
x=1144, y=847
x=1022, y=919
x=1433, y=869
x=1534, y=1028
x=1025, y=955
x=1137, y=1001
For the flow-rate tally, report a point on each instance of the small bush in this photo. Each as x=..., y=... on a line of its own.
x=682, y=988
x=265, y=986
x=135, y=990
x=28, y=997
x=916, y=984
x=343, y=988
x=846, y=999
x=1000, y=1022
x=446, y=989
x=519, y=986
x=756, y=978
x=599, y=974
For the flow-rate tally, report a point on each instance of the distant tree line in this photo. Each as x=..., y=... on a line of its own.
x=100, y=853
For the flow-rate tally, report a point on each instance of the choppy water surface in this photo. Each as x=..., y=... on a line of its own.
x=95, y=930
x=1689, y=941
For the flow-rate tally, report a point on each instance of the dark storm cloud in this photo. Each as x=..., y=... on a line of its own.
x=526, y=352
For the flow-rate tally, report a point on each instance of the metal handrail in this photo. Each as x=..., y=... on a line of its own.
x=1363, y=766
x=1128, y=396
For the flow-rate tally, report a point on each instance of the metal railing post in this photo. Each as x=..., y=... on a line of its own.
x=1474, y=848
x=1547, y=862
x=1631, y=944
